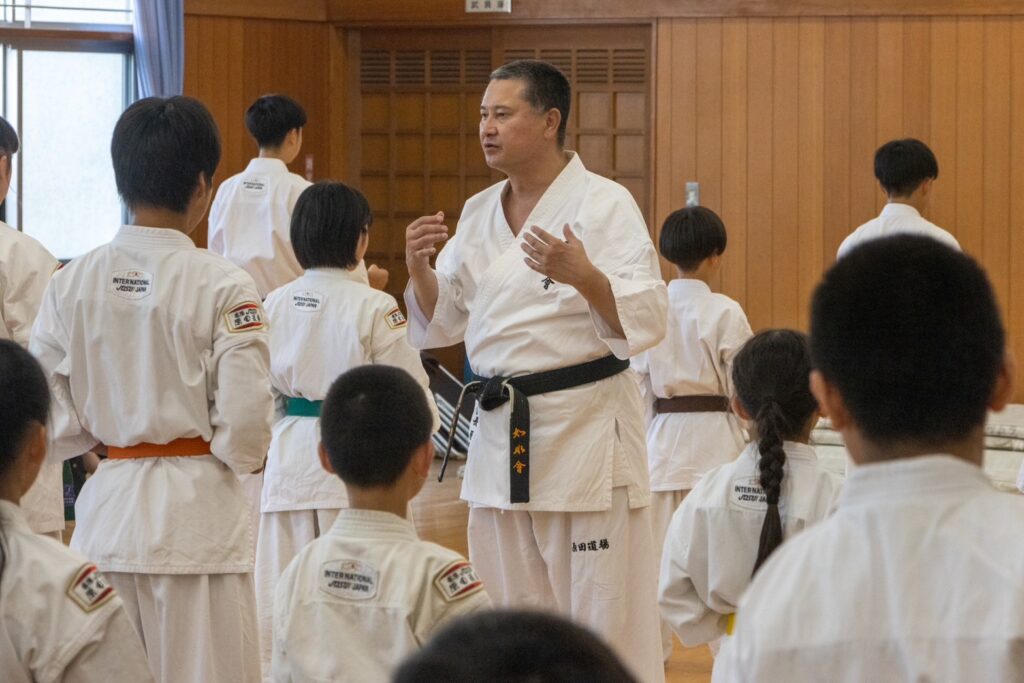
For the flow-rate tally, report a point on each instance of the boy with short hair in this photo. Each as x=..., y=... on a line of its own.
x=905, y=170
x=158, y=350
x=917, y=575
x=360, y=598
x=688, y=376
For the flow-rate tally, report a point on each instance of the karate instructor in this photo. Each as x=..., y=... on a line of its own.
x=553, y=283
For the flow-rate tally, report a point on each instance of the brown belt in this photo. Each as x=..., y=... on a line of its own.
x=692, y=404
x=179, y=447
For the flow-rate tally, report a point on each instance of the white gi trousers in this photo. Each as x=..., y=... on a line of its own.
x=282, y=535
x=663, y=506
x=596, y=568
x=195, y=627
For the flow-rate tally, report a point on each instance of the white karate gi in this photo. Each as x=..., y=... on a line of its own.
x=711, y=544
x=321, y=325
x=59, y=618
x=358, y=600
x=915, y=577
x=250, y=222
x=585, y=442
x=149, y=339
x=896, y=219
x=25, y=270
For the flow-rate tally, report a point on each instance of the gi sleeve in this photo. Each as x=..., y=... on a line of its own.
x=455, y=590
x=641, y=367
x=684, y=578
x=24, y=282
x=389, y=346
x=448, y=326
x=110, y=653
x=239, y=389
x=49, y=344
x=734, y=332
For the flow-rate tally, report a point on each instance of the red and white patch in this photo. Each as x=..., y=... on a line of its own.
x=395, y=318
x=89, y=589
x=457, y=581
x=245, y=317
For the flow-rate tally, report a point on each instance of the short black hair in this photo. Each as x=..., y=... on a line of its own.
x=908, y=331
x=546, y=87
x=902, y=165
x=373, y=419
x=160, y=148
x=9, y=143
x=327, y=222
x=270, y=118
x=514, y=647
x=691, y=235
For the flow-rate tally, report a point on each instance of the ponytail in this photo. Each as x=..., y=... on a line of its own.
x=770, y=374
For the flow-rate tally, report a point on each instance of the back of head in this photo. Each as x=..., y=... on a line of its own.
x=160, y=148
x=902, y=165
x=908, y=332
x=771, y=376
x=691, y=235
x=24, y=400
x=327, y=222
x=514, y=647
x=372, y=421
x=270, y=118
x=9, y=143
x=546, y=87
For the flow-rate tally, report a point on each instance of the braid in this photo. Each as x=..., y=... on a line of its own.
x=771, y=425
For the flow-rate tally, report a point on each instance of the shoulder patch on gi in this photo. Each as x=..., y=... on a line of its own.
x=457, y=581
x=349, y=579
x=746, y=493
x=89, y=589
x=244, y=317
x=395, y=318
x=307, y=301
x=131, y=284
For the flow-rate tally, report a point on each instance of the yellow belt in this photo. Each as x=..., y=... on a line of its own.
x=730, y=623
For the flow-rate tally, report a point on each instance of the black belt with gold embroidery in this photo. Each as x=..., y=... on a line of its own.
x=497, y=391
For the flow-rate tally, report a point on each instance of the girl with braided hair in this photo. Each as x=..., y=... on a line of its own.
x=741, y=511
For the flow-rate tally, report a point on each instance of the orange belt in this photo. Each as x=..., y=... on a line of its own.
x=179, y=447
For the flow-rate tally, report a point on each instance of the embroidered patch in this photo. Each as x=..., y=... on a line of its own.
x=307, y=301
x=349, y=579
x=131, y=284
x=245, y=317
x=747, y=494
x=395, y=318
x=457, y=581
x=256, y=184
x=89, y=589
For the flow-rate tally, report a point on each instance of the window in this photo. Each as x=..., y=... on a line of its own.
x=92, y=12
x=63, y=91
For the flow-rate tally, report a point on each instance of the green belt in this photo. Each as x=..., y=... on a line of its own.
x=301, y=407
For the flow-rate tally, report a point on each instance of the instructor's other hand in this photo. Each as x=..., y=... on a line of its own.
x=377, y=276
x=421, y=239
x=563, y=261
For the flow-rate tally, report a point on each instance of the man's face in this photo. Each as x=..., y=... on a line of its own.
x=512, y=132
x=6, y=166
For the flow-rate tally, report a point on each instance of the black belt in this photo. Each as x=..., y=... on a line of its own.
x=692, y=404
x=496, y=391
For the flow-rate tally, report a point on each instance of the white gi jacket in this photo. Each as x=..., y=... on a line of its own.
x=712, y=541
x=896, y=219
x=326, y=322
x=916, y=577
x=705, y=331
x=59, y=619
x=25, y=270
x=250, y=222
x=361, y=598
x=514, y=322
x=149, y=339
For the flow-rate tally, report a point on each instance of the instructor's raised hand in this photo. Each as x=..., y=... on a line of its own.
x=421, y=239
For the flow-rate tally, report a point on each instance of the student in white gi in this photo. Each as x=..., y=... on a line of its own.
x=368, y=592
x=686, y=378
x=917, y=575
x=60, y=620
x=322, y=324
x=25, y=270
x=740, y=512
x=514, y=647
x=158, y=350
x=906, y=170
x=551, y=269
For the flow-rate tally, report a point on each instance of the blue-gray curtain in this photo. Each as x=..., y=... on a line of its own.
x=160, y=47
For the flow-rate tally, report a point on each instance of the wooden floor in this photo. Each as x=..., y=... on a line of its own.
x=441, y=517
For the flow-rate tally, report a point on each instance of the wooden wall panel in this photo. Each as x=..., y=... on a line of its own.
x=804, y=103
